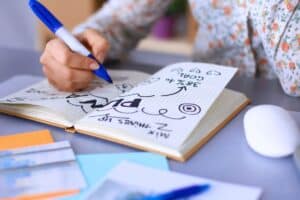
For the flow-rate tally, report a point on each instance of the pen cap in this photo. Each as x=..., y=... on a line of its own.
x=45, y=15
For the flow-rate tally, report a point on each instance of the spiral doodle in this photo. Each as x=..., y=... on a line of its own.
x=189, y=108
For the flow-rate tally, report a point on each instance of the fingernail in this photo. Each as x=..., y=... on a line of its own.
x=94, y=66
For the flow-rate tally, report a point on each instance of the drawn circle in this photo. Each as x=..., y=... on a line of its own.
x=189, y=108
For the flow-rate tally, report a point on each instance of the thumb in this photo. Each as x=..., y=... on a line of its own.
x=95, y=42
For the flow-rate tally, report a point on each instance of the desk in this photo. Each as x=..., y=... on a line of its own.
x=226, y=157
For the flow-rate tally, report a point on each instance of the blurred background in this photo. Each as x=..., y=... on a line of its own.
x=173, y=33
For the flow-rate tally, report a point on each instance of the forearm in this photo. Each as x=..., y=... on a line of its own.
x=124, y=23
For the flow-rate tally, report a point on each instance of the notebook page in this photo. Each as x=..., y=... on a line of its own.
x=166, y=107
x=73, y=106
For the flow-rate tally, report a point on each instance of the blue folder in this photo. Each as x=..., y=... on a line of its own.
x=96, y=166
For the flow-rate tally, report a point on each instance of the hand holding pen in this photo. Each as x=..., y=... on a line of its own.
x=68, y=65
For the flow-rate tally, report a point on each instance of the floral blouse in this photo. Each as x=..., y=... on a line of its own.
x=260, y=37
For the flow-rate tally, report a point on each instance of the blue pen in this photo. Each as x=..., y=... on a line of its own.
x=58, y=29
x=179, y=193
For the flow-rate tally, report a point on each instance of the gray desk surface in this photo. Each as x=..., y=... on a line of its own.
x=226, y=157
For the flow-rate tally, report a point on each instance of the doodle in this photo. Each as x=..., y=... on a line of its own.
x=162, y=126
x=76, y=105
x=134, y=123
x=195, y=70
x=16, y=99
x=99, y=97
x=74, y=95
x=149, y=81
x=124, y=87
x=162, y=112
x=86, y=102
x=191, y=76
x=159, y=134
x=107, y=117
x=93, y=103
x=40, y=91
x=120, y=102
x=187, y=83
x=189, y=108
x=177, y=70
x=213, y=73
x=123, y=112
x=136, y=94
x=180, y=89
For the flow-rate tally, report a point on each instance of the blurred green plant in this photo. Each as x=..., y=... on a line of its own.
x=177, y=7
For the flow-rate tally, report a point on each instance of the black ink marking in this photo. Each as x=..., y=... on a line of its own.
x=180, y=89
x=137, y=94
x=40, y=91
x=213, y=73
x=124, y=87
x=99, y=97
x=162, y=112
x=162, y=127
x=107, y=117
x=81, y=106
x=177, y=70
x=127, y=104
x=74, y=95
x=123, y=112
x=189, y=108
x=159, y=134
x=134, y=123
x=93, y=103
x=195, y=70
x=87, y=102
x=101, y=110
x=192, y=77
x=150, y=81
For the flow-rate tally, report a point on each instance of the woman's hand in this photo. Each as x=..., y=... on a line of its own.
x=70, y=71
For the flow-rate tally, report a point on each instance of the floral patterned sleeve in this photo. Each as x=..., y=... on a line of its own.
x=278, y=25
x=124, y=22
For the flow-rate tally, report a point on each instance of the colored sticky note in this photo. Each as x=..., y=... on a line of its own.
x=25, y=139
x=96, y=166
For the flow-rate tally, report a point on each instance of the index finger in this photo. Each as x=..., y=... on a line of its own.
x=63, y=54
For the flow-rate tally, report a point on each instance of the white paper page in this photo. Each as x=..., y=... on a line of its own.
x=129, y=179
x=167, y=107
x=73, y=106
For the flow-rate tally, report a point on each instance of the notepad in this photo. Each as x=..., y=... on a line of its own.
x=128, y=181
x=173, y=112
x=40, y=172
x=25, y=139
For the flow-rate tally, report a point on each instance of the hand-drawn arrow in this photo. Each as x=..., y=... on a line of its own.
x=182, y=88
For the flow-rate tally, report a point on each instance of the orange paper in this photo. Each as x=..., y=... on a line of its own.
x=25, y=139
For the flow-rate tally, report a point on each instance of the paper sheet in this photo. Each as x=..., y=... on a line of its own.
x=40, y=170
x=25, y=139
x=132, y=180
x=165, y=108
x=74, y=106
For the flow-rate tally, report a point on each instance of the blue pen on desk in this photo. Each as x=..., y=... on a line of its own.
x=58, y=29
x=179, y=193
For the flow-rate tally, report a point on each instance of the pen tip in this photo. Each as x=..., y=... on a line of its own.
x=102, y=73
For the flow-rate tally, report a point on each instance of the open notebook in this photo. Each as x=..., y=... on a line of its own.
x=173, y=112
